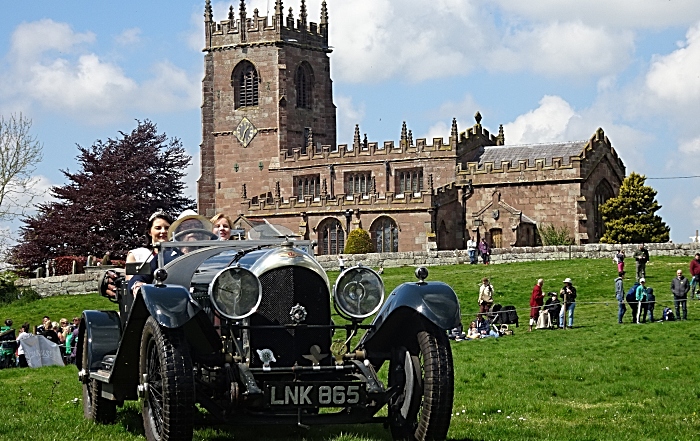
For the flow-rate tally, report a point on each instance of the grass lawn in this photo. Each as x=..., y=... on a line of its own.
x=598, y=381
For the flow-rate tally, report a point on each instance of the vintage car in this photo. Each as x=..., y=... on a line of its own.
x=245, y=330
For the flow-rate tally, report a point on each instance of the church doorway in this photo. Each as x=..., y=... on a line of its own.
x=496, y=238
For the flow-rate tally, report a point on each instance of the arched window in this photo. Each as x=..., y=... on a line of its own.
x=245, y=85
x=385, y=234
x=331, y=237
x=303, y=81
x=603, y=192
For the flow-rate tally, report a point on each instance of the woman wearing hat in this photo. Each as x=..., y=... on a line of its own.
x=568, y=297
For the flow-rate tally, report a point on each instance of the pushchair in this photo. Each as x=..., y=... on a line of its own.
x=503, y=315
x=553, y=307
x=8, y=347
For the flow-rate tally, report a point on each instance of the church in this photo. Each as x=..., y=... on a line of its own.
x=269, y=155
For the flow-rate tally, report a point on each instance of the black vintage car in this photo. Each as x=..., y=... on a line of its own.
x=244, y=330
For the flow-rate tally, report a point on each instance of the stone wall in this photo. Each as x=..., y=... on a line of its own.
x=87, y=283
x=507, y=255
x=62, y=285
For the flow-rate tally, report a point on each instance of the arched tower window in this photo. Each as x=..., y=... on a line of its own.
x=245, y=85
x=303, y=81
x=385, y=235
x=331, y=237
x=603, y=192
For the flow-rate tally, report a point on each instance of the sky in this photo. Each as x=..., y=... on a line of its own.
x=548, y=70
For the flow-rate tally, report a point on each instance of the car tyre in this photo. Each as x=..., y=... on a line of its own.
x=424, y=374
x=95, y=407
x=166, y=369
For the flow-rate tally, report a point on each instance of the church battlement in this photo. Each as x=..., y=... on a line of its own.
x=382, y=151
x=240, y=29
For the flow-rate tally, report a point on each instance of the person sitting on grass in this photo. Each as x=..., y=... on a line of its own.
x=473, y=332
x=483, y=325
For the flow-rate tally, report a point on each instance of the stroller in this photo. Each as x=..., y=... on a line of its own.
x=503, y=315
x=8, y=346
x=553, y=307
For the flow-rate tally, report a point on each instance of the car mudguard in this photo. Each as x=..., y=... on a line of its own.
x=102, y=329
x=170, y=305
x=407, y=309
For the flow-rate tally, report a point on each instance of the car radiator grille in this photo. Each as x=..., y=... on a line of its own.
x=283, y=288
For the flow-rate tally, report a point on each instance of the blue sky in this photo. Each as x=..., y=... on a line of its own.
x=548, y=70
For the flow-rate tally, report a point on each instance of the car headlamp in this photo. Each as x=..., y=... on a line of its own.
x=358, y=293
x=235, y=293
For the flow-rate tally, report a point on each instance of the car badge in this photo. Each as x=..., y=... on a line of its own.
x=315, y=356
x=298, y=313
x=292, y=254
x=338, y=349
x=267, y=357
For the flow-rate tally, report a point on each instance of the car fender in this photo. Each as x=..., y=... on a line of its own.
x=102, y=329
x=170, y=305
x=407, y=309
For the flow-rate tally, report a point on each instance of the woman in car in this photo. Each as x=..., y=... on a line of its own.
x=158, y=225
x=221, y=226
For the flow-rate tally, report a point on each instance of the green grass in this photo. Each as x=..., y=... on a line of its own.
x=598, y=381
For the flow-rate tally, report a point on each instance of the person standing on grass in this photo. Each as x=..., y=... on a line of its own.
x=568, y=295
x=695, y=274
x=641, y=296
x=680, y=287
x=23, y=333
x=641, y=257
x=651, y=301
x=536, y=302
x=620, y=258
x=485, y=296
x=485, y=251
x=620, y=296
x=341, y=263
x=471, y=249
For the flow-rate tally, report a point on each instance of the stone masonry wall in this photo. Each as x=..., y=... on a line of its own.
x=87, y=283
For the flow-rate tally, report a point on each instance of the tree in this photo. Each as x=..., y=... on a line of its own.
x=552, y=235
x=359, y=242
x=105, y=206
x=20, y=152
x=630, y=217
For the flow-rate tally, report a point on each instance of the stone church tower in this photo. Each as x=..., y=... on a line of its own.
x=267, y=92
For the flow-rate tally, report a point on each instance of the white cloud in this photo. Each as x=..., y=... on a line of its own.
x=691, y=146
x=61, y=75
x=547, y=123
x=628, y=14
x=129, y=36
x=348, y=114
x=676, y=77
x=463, y=111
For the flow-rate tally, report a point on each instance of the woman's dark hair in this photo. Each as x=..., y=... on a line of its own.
x=157, y=215
x=8, y=322
x=26, y=326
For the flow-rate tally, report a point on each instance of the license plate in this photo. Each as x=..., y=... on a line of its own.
x=308, y=394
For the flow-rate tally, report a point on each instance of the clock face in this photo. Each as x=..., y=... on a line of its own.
x=245, y=132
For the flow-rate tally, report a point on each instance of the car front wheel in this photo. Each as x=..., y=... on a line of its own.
x=423, y=373
x=168, y=384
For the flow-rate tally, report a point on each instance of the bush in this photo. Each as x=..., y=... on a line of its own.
x=10, y=293
x=359, y=242
x=552, y=235
x=64, y=265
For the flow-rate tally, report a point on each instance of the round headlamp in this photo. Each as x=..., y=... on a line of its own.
x=358, y=293
x=235, y=293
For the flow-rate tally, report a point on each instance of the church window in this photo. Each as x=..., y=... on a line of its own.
x=603, y=192
x=245, y=85
x=309, y=185
x=331, y=237
x=303, y=84
x=358, y=183
x=385, y=235
x=409, y=181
